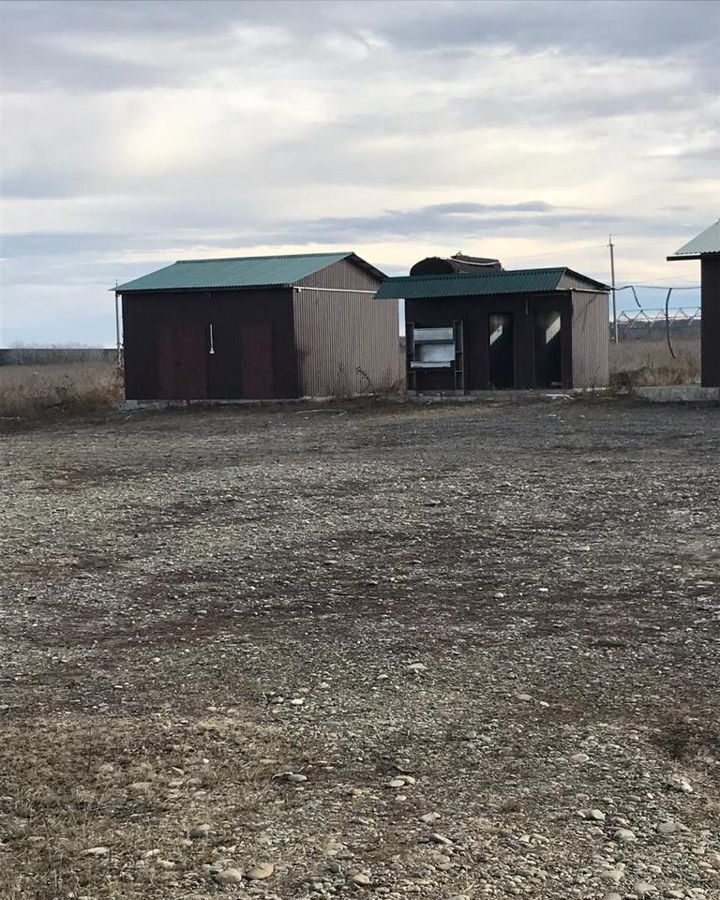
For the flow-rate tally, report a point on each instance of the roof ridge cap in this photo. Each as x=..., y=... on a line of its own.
x=267, y=256
x=490, y=274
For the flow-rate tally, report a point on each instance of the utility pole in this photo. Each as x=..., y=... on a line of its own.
x=612, y=277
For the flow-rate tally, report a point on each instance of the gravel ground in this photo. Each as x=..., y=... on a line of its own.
x=407, y=651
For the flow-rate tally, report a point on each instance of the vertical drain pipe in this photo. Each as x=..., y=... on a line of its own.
x=118, y=346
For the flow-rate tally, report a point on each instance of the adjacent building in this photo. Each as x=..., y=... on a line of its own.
x=470, y=325
x=706, y=248
x=261, y=327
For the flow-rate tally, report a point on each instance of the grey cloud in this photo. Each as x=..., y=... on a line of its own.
x=600, y=28
x=597, y=105
x=641, y=28
x=459, y=220
x=709, y=154
x=532, y=206
x=443, y=215
x=436, y=222
x=48, y=244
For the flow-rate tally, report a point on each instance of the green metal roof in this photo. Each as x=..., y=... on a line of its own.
x=706, y=242
x=519, y=281
x=239, y=272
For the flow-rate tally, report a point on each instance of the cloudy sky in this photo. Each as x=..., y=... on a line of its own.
x=135, y=133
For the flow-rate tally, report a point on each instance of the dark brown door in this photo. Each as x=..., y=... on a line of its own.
x=501, y=351
x=182, y=362
x=256, y=361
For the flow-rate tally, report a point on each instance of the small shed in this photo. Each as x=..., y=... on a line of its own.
x=706, y=248
x=257, y=328
x=492, y=329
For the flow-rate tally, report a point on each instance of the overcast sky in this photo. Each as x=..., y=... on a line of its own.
x=137, y=133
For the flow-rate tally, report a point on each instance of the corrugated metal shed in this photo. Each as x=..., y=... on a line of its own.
x=519, y=281
x=706, y=242
x=239, y=272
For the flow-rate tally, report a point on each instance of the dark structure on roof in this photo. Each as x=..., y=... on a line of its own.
x=706, y=248
x=453, y=265
x=489, y=329
x=258, y=327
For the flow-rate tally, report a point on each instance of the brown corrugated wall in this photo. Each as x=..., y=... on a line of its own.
x=473, y=312
x=590, y=339
x=347, y=341
x=150, y=324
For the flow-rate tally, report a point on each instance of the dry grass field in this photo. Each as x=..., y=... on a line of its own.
x=635, y=363
x=31, y=391
x=363, y=649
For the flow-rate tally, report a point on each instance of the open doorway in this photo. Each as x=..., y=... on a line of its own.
x=501, y=351
x=548, y=349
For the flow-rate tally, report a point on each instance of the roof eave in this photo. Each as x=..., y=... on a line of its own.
x=699, y=255
x=535, y=291
x=224, y=287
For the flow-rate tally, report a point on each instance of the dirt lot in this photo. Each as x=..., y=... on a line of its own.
x=400, y=651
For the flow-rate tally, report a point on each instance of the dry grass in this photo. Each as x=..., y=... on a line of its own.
x=138, y=791
x=650, y=362
x=30, y=391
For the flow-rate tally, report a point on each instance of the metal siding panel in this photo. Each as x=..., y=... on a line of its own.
x=139, y=350
x=590, y=339
x=474, y=312
x=343, y=274
x=145, y=316
x=338, y=334
x=575, y=281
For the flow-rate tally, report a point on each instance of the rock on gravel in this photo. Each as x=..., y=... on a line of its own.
x=625, y=836
x=440, y=839
x=229, y=876
x=261, y=871
x=430, y=817
x=417, y=667
x=679, y=783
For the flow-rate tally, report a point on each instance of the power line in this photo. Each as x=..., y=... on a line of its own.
x=554, y=252
x=659, y=287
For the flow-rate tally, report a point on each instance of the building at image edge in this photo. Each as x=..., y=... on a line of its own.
x=706, y=248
